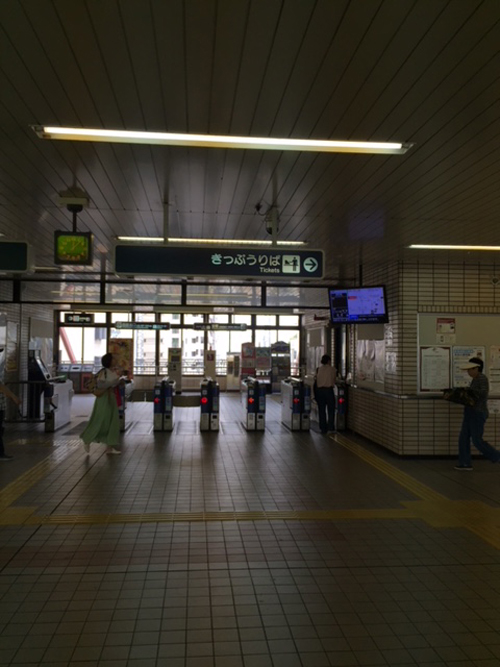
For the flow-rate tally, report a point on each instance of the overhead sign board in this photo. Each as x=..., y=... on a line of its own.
x=78, y=318
x=242, y=262
x=14, y=256
x=144, y=326
x=214, y=326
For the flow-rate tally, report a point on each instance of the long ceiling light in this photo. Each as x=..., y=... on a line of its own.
x=159, y=239
x=454, y=247
x=218, y=141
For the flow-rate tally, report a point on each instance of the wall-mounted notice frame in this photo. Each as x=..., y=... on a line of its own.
x=476, y=334
x=434, y=368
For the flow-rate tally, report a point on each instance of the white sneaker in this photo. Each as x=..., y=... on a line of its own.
x=86, y=447
x=113, y=451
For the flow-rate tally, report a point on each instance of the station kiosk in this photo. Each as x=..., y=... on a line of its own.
x=296, y=404
x=253, y=397
x=209, y=405
x=163, y=405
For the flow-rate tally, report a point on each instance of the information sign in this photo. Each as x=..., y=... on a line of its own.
x=201, y=326
x=241, y=262
x=78, y=318
x=144, y=326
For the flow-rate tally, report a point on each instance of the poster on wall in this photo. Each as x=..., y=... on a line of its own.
x=446, y=331
x=123, y=351
x=461, y=355
x=391, y=363
x=494, y=369
x=379, y=360
x=365, y=361
x=434, y=368
x=11, y=348
x=263, y=358
x=494, y=407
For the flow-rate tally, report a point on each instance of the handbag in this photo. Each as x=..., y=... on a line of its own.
x=460, y=395
x=91, y=386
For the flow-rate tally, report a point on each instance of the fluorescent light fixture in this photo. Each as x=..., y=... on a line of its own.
x=219, y=141
x=454, y=247
x=159, y=239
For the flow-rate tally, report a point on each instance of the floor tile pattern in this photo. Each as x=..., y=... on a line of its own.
x=375, y=585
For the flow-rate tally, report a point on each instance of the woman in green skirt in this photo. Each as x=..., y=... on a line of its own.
x=103, y=425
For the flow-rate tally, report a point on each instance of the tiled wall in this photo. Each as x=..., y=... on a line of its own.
x=396, y=417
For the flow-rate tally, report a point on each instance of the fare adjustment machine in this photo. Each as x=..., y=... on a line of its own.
x=209, y=405
x=163, y=405
x=253, y=397
x=296, y=404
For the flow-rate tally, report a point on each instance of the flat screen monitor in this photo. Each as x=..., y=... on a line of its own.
x=358, y=305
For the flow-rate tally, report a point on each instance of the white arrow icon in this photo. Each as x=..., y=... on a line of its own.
x=311, y=264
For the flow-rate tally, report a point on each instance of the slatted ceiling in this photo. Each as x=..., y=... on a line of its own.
x=199, y=27
x=283, y=51
x=318, y=35
x=396, y=70
x=262, y=21
x=170, y=45
x=229, y=41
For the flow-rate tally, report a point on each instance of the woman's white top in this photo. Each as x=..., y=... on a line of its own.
x=107, y=379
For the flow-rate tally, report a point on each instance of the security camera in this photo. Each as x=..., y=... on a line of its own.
x=271, y=220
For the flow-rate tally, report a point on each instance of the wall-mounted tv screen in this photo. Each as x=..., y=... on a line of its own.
x=358, y=305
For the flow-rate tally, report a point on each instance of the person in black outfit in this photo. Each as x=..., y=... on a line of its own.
x=324, y=394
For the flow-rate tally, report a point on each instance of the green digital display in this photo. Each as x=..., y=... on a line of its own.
x=73, y=248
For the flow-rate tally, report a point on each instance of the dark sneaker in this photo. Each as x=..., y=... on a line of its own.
x=6, y=457
x=463, y=468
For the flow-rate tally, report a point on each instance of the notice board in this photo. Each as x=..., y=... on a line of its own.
x=465, y=336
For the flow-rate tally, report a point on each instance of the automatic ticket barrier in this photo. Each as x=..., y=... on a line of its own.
x=163, y=402
x=209, y=405
x=253, y=396
x=341, y=406
x=296, y=404
x=57, y=398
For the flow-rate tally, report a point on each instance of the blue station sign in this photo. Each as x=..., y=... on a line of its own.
x=241, y=262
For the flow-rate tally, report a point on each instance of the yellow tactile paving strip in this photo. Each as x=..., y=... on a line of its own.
x=432, y=507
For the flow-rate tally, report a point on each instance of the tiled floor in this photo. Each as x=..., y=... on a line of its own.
x=231, y=549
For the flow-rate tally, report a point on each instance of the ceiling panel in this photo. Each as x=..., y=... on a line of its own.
x=424, y=72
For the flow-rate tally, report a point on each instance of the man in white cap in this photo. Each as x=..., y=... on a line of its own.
x=475, y=418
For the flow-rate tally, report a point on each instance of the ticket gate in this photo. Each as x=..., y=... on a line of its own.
x=341, y=415
x=296, y=404
x=253, y=397
x=209, y=405
x=57, y=398
x=163, y=405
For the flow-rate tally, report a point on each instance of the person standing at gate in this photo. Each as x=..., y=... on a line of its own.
x=475, y=418
x=104, y=424
x=324, y=394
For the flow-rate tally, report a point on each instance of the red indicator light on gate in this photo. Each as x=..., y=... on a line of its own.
x=204, y=400
x=251, y=400
x=296, y=400
x=341, y=400
x=157, y=400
